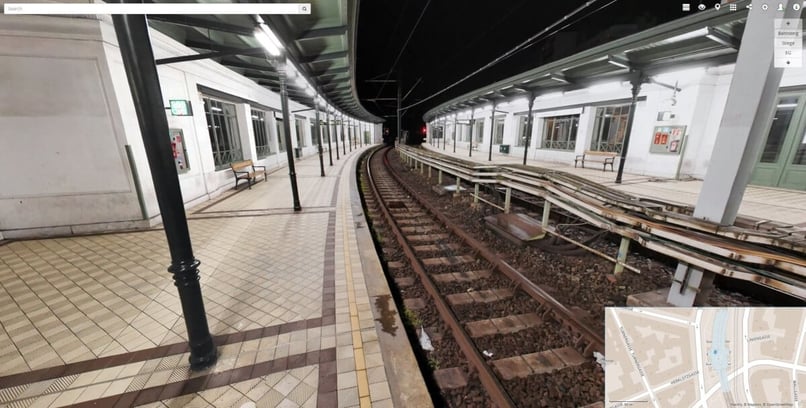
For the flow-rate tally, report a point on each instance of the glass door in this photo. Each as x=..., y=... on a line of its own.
x=794, y=172
x=783, y=162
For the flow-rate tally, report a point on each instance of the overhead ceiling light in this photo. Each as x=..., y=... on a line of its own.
x=268, y=40
x=559, y=78
x=618, y=61
x=701, y=32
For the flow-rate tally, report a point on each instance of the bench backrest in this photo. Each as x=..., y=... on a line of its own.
x=599, y=153
x=239, y=165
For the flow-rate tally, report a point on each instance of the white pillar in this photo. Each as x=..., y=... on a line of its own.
x=243, y=114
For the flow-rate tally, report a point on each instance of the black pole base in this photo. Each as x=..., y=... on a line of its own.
x=203, y=355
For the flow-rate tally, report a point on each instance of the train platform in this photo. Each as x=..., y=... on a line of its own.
x=297, y=304
x=764, y=203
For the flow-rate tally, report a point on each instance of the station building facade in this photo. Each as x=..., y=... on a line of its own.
x=677, y=116
x=673, y=132
x=72, y=155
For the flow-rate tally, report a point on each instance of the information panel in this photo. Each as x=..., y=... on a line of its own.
x=667, y=139
x=179, y=150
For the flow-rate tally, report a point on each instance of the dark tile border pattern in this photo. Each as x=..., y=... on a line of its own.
x=326, y=359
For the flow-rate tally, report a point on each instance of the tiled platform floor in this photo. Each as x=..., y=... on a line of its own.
x=96, y=321
x=767, y=203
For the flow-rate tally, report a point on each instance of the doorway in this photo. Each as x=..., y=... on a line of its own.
x=783, y=158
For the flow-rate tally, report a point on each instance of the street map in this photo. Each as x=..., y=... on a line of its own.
x=705, y=357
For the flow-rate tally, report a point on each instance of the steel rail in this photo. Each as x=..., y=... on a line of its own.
x=594, y=340
x=495, y=390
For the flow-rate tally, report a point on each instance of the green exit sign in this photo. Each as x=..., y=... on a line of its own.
x=180, y=107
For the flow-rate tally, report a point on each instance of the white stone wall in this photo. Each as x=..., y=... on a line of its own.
x=57, y=112
x=66, y=117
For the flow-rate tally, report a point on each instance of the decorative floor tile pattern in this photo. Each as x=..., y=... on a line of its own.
x=94, y=320
x=317, y=194
x=125, y=300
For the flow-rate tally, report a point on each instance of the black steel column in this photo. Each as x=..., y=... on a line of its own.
x=318, y=132
x=636, y=88
x=444, y=131
x=343, y=139
x=492, y=132
x=528, y=128
x=350, y=132
x=141, y=71
x=399, y=99
x=336, y=133
x=292, y=173
x=329, y=147
x=455, y=122
x=470, y=145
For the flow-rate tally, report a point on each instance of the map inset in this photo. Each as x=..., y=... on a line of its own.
x=705, y=357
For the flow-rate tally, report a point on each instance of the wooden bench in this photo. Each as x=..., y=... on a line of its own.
x=250, y=176
x=606, y=158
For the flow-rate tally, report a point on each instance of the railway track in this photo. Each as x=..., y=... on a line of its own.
x=517, y=342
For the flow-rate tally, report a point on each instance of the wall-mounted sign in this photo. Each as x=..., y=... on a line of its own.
x=179, y=149
x=180, y=107
x=667, y=139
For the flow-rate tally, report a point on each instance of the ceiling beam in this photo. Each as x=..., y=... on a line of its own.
x=196, y=22
x=344, y=70
x=618, y=61
x=271, y=76
x=559, y=78
x=324, y=57
x=721, y=38
x=246, y=65
x=212, y=55
x=323, y=32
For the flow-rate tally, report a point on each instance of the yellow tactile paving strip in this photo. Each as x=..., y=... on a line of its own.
x=366, y=386
x=358, y=347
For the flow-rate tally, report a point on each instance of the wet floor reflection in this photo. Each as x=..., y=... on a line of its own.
x=387, y=314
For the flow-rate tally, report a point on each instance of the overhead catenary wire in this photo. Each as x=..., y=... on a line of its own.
x=403, y=48
x=524, y=44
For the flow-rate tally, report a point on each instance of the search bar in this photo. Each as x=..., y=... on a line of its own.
x=156, y=8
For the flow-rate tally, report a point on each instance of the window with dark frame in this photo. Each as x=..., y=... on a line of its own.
x=609, y=128
x=498, y=134
x=478, y=132
x=560, y=132
x=300, y=126
x=280, y=134
x=522, y=129
x=313, y=130
x=222, y=126
x=261, y=135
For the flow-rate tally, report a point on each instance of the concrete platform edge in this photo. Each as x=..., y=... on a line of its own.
x=406, y=383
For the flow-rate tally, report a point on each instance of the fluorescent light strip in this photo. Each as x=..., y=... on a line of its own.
x=156, y=8
x=267, y=43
